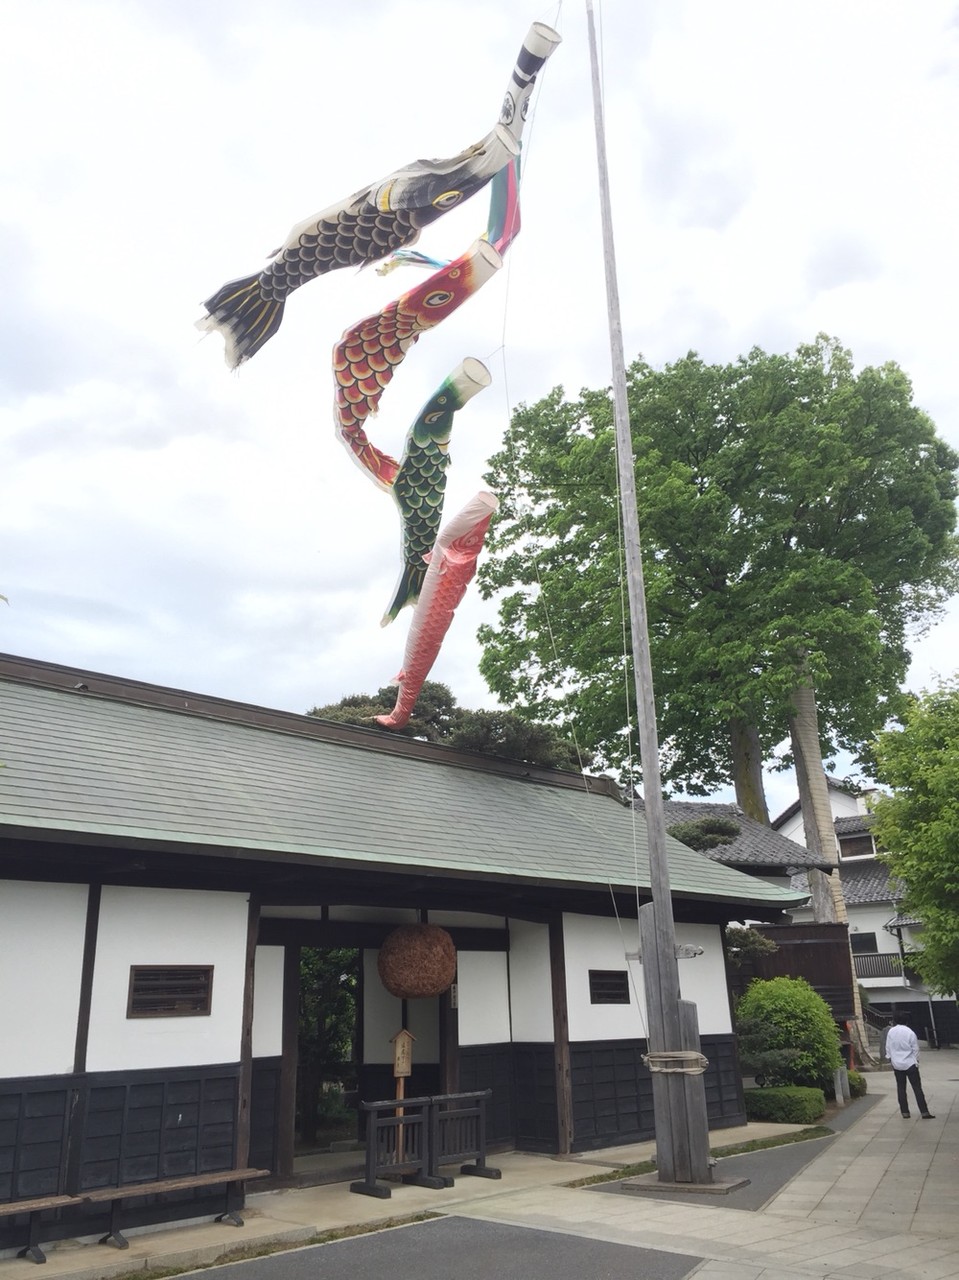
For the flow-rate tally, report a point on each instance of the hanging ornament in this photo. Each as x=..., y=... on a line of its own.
x=417, y=960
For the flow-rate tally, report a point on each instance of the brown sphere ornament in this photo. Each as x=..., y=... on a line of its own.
x=417, y=960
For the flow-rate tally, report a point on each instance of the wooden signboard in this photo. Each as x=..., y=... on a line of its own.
x=402, y=1044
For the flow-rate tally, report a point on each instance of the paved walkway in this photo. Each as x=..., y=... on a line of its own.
x=877, y=1201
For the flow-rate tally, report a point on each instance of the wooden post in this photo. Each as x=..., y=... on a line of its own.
x=286, y=1102
x=662, y=995
x=449, y=1041
x=245, y=1087
x=561, y=1066
x=402, y=1067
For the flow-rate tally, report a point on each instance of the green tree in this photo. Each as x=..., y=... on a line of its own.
x=797, y=519
x=917, y=825
x=786, y=1033
x=438, y=718
x=327, y=1025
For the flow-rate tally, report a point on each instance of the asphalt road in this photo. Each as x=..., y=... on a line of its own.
x=462, y=1249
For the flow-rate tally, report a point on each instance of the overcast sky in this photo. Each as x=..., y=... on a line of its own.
x=777, y=170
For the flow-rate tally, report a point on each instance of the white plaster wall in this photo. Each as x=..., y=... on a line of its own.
x=703, y=979
x=267, y=1002
x=531, y=1000
x=871, y=919
x=167, y=926
x=383, y=1017
x=466, y=920
x=483, y=997
x=41, y=955
x=595, y=943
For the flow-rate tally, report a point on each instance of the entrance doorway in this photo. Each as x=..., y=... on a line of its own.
x=327, y=1049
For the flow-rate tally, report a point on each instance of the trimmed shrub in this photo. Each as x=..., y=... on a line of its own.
x=785, y=1104
x=786, y=1033
x=857, y=1084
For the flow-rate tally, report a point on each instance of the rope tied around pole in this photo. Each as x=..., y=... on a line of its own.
x=685, y=1062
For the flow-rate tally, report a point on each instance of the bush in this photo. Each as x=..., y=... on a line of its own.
x=785, y=1104
x=857, y=1084
x=786, y=1033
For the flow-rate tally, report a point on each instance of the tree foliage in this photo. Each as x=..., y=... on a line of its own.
x=917, y=825
x=786, y=1033
x=327, y=1025
x=797, y=519
x=705, y=833
x=438, y=718
x=744, y=945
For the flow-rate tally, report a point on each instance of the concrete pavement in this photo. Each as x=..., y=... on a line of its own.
x=878, y=1201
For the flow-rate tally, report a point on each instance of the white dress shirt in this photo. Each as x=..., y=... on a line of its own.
x=902, y=1047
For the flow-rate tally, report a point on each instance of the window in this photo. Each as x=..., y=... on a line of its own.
x=863, y=944
x=608, y=986
x=856, y=847
x=170, y=991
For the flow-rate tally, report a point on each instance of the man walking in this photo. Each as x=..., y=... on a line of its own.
x=902, y=1050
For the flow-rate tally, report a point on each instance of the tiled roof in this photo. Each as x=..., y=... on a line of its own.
x=160, y=766
x=757, y=847
x=862, y=883
x=856, y=824
x=901, y=920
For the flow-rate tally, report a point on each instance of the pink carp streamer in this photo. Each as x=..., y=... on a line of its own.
x=451, y=569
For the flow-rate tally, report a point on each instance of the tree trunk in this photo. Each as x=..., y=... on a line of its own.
x=748, y=770
x=828, y=903
x=813, y=789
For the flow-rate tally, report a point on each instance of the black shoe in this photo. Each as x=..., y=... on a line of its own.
x=928, y=1116
x=904, y=1114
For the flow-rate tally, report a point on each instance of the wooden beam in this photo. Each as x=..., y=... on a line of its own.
x=281, y=931
x=564, y=1086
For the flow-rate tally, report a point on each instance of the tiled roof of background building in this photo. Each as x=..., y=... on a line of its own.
x=756, y=846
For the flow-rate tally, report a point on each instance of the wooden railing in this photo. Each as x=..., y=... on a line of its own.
x=888, y=965
x=412, y=1137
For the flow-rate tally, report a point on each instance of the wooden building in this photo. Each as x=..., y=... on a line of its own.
x=163, y=855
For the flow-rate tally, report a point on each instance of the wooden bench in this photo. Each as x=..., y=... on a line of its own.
x=34, y=1208
x=231, y=1178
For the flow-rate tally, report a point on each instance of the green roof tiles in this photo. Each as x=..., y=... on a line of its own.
x=76, y=762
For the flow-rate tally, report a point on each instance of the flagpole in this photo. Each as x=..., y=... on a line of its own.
x=682, y=1139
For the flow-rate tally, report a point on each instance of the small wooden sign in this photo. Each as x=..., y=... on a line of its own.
x=402, y=1044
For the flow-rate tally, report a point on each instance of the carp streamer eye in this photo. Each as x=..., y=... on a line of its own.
x=447, y=199
x=437, y=299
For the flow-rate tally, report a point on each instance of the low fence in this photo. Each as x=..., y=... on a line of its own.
x=411, y=1138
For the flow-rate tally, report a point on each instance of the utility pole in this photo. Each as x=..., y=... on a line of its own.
x=679, y=1096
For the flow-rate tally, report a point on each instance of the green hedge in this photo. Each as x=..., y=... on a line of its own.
x=857, y=1084
x=785, y=1104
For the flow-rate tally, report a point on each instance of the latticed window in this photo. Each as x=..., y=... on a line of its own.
x=170, y=991
x=608, y=986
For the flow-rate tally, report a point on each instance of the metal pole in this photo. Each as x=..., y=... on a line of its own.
x=674, y=1137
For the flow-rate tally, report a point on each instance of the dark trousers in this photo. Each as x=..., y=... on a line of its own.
x=912, y=1075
